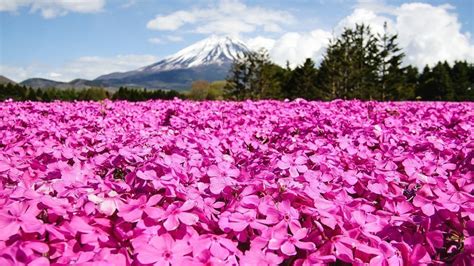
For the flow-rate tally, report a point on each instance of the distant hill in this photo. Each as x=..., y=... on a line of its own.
x=40, y=83
x=5, y=80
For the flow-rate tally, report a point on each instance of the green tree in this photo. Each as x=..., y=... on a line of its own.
x=461, y=84
x=350, y=67
x=409, y=85
x=435, y=84
x=390, y=71
x=302, y=82
x=199, y=90
x=253, y=76
x=216, y=90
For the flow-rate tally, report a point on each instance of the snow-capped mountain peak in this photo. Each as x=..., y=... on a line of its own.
x=213, y=50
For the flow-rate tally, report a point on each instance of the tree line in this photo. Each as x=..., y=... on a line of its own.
x=357, y=65
x=22, y=93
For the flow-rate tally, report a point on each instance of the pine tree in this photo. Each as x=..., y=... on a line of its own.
x=390, y=72
x=253, y=76
x=302, y=82
x=349, y=68
x=407, y=91
x=31, y=96
x=436, y=84
x=460, y=79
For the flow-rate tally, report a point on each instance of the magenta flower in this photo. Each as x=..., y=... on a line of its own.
x=259, y=257
x=164, y=250
x=222, y=176
x=239, y=221
x=133, y=211
x=288, y=243
x=19, y=215
x=295, y=166
x=219, y=247
x=174, y=215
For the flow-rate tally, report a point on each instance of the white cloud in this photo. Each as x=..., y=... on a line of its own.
x=229, y=17
x=165, y=39
x=53, y=8
x=155, y=40
x=427, y=33
x=87, y=67
x=16, y=74
x=172, y=21
x=294, y=47
x=128, y=4
x=366, y=16
x=260, y=42
x=174, y=38
x=54, y=75
x=432, y=33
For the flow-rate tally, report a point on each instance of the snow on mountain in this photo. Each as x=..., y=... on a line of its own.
x=213, y=50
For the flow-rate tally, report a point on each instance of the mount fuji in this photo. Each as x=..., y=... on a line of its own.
x=209, y=59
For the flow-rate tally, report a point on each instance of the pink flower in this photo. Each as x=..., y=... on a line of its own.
x=295, y=167
x=239, y=221
x=219, y=247
x=134, y=209
x=259, y=257
x=174, y=215
x=19, y=215
x=221, y=176
x=163, y=250
x=287, y=243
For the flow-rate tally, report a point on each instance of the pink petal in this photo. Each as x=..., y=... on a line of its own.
x=146, y=175
x=294, y=172
x=8, y=230
x=428, y=209
x=79, y=225
x=214, y=171
x=218, y=251
x=343, y=253
x=305, y=245
x=40, y=261
x=132, y=216
x=217, y=186
x=275, y=244
x=188, y=218
x=300, y=160
x=283, y=165
x=302, y=168
x=107, y=207
x=288, y=249
x=147, y=254
x=171, y=223
x=4, y=166
x=155, y=213
x=188, y=205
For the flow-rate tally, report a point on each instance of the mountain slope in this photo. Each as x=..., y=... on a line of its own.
x=42, y=83
x=5, y=80
x=209, y=59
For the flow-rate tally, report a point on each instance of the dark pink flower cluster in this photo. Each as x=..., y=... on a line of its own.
x=247, y=183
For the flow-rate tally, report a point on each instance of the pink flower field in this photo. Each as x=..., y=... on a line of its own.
x=236, y=183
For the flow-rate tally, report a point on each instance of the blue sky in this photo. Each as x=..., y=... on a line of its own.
x=85, y=38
